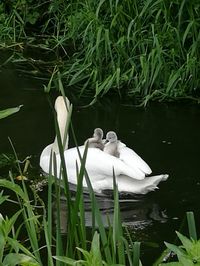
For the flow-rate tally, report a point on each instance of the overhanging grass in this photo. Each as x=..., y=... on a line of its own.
x=144, y=49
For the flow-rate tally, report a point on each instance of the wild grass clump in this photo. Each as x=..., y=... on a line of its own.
x=147, y=49
x=144, y=49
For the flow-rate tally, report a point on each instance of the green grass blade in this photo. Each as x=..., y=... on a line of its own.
x=9, y=111
x=99, y=221
x=191, y=225
x=49, y=206
x=136, y=254
x=117, y=226
x=48, y=242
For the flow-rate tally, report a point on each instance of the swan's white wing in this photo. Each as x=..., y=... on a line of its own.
x=100, y=164
x=132, y=159
x=100, y=170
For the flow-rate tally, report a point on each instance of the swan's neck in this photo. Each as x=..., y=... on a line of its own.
x=62, y=117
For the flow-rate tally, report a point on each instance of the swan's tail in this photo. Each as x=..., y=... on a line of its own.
x=130, y=185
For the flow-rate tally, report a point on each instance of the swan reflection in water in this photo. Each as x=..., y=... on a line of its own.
x=137, y=212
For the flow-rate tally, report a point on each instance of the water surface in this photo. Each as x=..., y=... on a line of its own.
x=164, y=135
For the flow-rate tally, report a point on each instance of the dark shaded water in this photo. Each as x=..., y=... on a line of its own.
x=165, y=135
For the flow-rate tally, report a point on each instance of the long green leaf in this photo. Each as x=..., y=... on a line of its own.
x=175, y=249
x=187, y=243
x=9, y=111
x=14, y=187
x=191, y=225
x=19, y=259
x=136, y=254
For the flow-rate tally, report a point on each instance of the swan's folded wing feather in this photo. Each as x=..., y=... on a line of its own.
x=99, y=163
x=130, y=185
x=125, y=184
x=132, y=159
x=99, y=174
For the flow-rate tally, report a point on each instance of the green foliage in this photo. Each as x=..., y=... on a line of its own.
x=189, y=252
x=145, y=49
x=15, y=15
x=9, y=111
x=11, y=251
x=135, y=46
x=92, y=257
x=191, y=225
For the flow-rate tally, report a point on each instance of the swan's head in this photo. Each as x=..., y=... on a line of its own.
x=111, y=136
x=62, y=103
x=98, y=133
x=62, y=107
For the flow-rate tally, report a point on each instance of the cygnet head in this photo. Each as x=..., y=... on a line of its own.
x=111, y=136
x=98, y=132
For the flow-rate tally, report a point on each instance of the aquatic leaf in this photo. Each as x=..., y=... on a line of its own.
x=99, y=32
x=98, y=219
x=9, y=111
x=13, y=259
x=14, y=187
x=2, y=199
x=87, y=255
x=185, y=261
x=2, y=244
x=95, y=247
x=173, y=80
x=48, y=241
x=136, y=253
x=94, y=256
x=9, y=223
x=175, y=249
x=79, y=75
x=171, y=264
x=191, y=225
x=129, y=30
x=65, y=260
x=98, y=7
x=18, y=16
x=187, y=243
x=187, y=31
x=49, y=85
x=15, y=244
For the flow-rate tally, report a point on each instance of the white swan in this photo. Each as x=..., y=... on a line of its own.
x=129, y=168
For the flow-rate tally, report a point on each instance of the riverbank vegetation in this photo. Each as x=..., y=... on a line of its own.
x=141, y=49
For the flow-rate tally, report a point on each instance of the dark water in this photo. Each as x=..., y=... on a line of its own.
x=165, y=135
